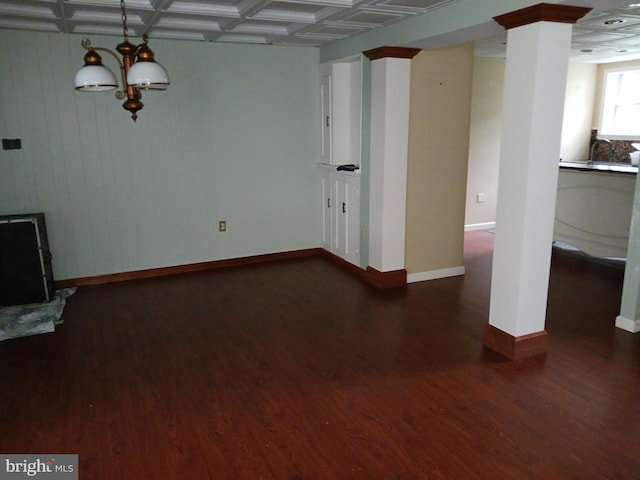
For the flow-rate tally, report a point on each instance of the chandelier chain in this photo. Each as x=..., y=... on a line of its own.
x=125, y=30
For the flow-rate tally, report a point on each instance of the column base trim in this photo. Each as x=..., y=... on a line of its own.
x=628, y=324
x=515, y=348
x=394, y=278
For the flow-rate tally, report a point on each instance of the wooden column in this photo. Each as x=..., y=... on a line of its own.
x=538, y=46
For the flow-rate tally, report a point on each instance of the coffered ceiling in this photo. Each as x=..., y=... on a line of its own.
x=602, y=36
x=281, y=22
x=611, y=35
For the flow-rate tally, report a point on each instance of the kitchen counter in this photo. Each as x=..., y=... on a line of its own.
x=593, y=209
x=599, y=167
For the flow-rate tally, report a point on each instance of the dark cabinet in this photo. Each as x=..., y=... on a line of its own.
x=25, y=261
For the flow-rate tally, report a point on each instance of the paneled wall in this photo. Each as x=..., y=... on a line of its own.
x=233, y=138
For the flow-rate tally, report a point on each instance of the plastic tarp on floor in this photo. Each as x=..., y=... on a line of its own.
x=23, y=320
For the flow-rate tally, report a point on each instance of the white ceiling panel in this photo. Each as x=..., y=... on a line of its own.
x=600, y=37
x=608, y=35
x=282, y=22
x=368, y=18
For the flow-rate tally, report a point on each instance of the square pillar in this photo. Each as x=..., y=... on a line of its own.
x=538, y=46
x=390, y=87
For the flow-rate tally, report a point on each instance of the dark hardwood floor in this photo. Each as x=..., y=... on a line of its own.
x=300, y=370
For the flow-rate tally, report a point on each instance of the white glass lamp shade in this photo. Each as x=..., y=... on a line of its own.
x=148, y=75
x=95, y=78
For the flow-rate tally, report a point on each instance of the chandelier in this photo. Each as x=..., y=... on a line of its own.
x=138, y=70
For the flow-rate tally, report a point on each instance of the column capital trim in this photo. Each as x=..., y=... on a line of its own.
x=391, y=52
x=542, y=12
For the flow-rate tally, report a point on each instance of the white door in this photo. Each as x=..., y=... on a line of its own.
x=347, y=211
x=327, y=210
x=325, y=102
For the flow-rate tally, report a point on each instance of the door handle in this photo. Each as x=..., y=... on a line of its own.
x=344, y=207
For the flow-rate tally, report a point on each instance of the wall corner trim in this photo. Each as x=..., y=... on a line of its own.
x=395, y=278
x=479, y=226
x=182, y=269
x=542, y=12
x=435, y=274
x=515, y=348
x=391, y=52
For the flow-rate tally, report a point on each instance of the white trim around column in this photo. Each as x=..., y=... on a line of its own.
x=627, y=324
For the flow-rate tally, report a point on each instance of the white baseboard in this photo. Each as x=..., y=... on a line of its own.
x=628, y=325
x=479, y=226
x=434, y=274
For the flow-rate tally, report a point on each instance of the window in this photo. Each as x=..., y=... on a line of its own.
x=620, y=118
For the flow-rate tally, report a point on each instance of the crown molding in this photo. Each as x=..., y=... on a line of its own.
x=391, y=52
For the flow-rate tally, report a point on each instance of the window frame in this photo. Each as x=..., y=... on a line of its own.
x=606, y=113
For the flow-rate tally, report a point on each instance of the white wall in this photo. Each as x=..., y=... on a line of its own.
x=486, y=123
x=484, y=139
x=234, y=137
x=578, y=111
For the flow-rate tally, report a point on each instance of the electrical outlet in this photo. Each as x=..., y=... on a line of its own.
x=222, y=226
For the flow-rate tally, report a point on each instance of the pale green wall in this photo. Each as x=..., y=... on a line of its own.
x=234, y=138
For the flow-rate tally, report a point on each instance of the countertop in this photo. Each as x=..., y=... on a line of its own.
x=600, y=167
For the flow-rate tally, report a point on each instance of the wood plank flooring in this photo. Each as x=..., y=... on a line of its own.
x=299, y=370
